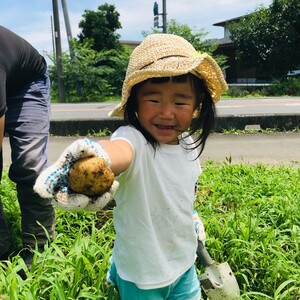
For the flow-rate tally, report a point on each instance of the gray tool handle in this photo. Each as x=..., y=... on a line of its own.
x=203, y=255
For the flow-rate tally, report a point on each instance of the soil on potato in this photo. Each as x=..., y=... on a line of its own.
x=90, y=176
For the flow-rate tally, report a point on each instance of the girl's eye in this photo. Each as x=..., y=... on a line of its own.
x=153, y=101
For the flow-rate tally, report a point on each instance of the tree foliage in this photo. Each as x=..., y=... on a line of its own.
x=98, y=63
x=269, y=38
x=99, y=28
x=92, y=76
x=196, y=36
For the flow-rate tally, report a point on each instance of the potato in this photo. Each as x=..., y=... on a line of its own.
x=91, y=176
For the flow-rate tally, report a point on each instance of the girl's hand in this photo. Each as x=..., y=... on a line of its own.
x=53, y=182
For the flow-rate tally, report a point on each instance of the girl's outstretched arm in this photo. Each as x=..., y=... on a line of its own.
x=120, y=153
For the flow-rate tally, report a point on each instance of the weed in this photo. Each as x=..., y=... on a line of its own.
x=252, y=221
x=250, y=131
x=251, y=214
x=101, y=133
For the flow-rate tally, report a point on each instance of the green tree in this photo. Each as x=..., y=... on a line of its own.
x=196, y=36
x=91, y=76
x=99, y=28
x=269, y=38
x=98, y=64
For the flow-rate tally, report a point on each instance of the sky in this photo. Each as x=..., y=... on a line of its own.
x=32, y=19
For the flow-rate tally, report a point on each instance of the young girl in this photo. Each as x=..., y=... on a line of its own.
x=168, y=95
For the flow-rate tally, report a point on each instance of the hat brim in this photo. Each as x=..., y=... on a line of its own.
x=203, y=66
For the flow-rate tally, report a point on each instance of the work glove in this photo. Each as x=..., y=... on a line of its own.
x=199, y=227
x=53, y=182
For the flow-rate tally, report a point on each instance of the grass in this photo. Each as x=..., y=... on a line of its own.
x=258, y=130
x=252, y=219
x=100, y=133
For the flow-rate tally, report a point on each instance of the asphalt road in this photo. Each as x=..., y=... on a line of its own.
x=225, y=107
x=276, y=148
x=272, y=149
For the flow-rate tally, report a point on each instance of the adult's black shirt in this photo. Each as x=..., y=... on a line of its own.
x=20, y=64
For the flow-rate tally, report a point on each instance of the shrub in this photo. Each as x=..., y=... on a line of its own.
x=289, y=86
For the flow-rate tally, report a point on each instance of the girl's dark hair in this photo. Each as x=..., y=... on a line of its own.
x=202, y=124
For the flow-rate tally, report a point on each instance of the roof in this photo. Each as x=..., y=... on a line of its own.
x=223, y=23
x=131, y=44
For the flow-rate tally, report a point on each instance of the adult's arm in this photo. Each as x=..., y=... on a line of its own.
x=2, y=120
x=2, y=102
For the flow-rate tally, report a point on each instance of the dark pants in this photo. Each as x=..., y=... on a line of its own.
x=27, y=123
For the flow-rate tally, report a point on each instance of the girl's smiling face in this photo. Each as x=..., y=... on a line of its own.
x=165, y=110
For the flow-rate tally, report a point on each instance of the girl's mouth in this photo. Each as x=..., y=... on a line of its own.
x=168, y=127
x=165, y=126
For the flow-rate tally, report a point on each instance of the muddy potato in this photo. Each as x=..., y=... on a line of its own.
x=91, y=176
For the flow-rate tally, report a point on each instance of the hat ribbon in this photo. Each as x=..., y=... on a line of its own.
x=163, y=57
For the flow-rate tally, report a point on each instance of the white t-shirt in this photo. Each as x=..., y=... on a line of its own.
x=155, y=234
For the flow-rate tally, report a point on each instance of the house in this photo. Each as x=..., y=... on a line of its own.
x=236, y=74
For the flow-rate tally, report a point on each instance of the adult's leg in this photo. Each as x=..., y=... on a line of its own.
x=27, y=124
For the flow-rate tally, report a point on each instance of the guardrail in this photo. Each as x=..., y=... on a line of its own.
x=247, y=84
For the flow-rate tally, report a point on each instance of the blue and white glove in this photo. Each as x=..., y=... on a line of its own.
x=52, y=183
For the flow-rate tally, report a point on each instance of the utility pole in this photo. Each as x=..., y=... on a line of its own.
x=68, y=27
x=52, y=33
x=163, y=14
x=69, y=36
x=58, y=54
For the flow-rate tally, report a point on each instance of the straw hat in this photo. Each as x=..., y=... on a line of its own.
x=167, y=55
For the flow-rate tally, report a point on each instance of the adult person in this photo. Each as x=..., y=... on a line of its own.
x=25, y=118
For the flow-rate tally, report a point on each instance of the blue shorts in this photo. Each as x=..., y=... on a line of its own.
x=186, y=287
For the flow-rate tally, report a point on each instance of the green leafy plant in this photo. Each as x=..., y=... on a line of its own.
x=101, y=133
x=252, y=218
x=251, y=214
x=289, y=86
